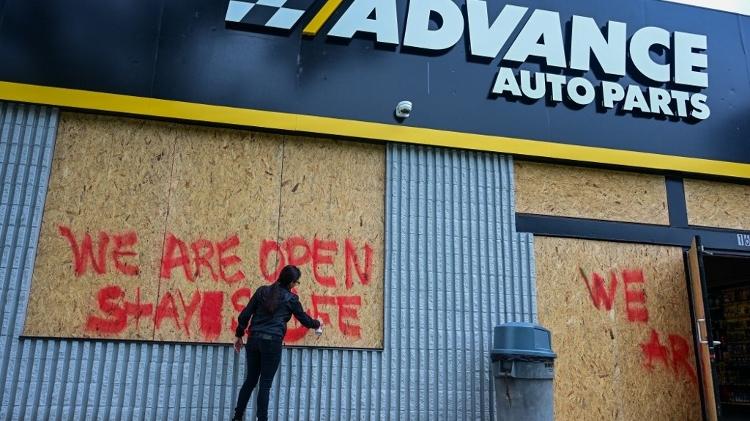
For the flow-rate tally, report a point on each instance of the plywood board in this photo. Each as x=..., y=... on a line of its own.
x=109, y=178
x=324, y=187
x=713, y=204
x=203, y=203
x=224, y=199
x=621, y=355
x=578, y=192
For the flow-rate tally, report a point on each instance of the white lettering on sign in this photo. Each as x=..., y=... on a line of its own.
x=582, y=92
x=418, y=33
x=541, y=38
x=663, y=57
x=743, y=240
x=486, y=40
x=384, y=24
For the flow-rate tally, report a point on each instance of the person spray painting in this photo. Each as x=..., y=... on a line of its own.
x=268, y=312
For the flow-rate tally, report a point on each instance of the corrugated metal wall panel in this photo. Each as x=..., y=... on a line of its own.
x=26, y=139
x=454, y=268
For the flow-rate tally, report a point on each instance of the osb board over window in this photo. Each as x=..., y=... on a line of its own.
x=578, y=192
x=713, y=204
x=620, y=322
x=160, y=231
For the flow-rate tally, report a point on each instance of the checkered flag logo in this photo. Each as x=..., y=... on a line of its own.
x=277, y=14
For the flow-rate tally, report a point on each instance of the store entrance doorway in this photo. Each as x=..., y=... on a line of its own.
x=722, y=330
x=728, y=282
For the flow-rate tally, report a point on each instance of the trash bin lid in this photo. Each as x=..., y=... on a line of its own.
x=520, y=341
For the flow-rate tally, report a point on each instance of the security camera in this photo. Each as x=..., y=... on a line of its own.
x=403, y=109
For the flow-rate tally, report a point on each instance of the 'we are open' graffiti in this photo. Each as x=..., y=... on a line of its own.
x=204, y=283
x=665, y=349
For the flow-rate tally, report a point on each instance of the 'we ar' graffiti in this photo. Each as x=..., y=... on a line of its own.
x=669, y=350
x=213, y=282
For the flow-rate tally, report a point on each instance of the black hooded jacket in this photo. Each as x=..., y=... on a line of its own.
x=273, y=324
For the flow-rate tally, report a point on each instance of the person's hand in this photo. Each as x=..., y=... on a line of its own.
x=238, y=344
x=319, y=330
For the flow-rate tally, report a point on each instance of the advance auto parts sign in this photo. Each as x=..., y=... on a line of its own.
x=643, y=83
x=541, y=37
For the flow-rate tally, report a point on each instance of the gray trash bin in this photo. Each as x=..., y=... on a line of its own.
x=523, y=369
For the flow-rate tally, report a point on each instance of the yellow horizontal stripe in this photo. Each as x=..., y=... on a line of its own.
x=324, y=13
x=361, y=129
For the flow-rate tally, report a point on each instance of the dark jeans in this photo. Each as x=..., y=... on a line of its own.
x=263, y=356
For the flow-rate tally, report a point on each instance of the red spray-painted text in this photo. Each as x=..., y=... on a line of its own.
x=674, y=352
x=202, y=312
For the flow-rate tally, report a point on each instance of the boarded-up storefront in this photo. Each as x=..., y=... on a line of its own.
x=159, y=231
x=435, y=168
x=619, y=312
x=620, y=320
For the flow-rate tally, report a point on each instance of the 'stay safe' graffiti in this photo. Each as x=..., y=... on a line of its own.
x=670, y=350
x=117, y=310
x=196, y=308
